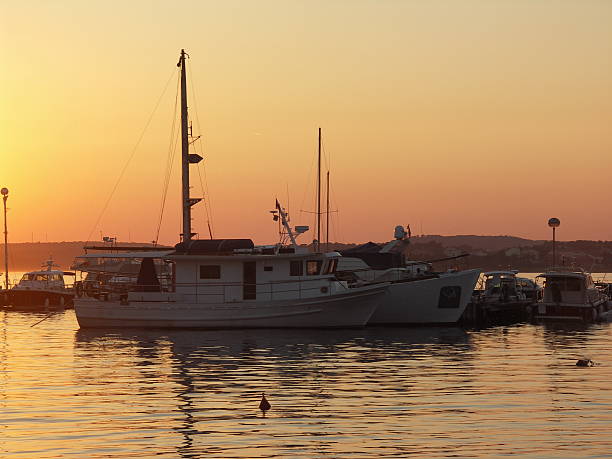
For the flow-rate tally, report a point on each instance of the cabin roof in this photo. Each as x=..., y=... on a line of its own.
x=158, y=254
x=501, y=273
x=53, y=271
x=563, y=274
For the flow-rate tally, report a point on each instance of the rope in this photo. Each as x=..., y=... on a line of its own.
x=169, y=163
x=130, y=158
x=204, y=187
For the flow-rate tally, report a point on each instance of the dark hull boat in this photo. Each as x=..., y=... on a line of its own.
x=40, y=290
x=37, y=299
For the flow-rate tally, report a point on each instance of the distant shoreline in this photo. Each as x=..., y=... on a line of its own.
x=486, y=252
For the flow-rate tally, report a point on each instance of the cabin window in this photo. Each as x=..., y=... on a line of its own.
x=567, y=285
x=268, y=268
x=210, y=272
x=313, y=267
x=450, y=297
x=296, y=268
x=331, y=266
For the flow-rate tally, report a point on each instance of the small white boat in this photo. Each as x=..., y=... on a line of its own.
x=42, y=289
x=570, y=295
x=416, y=294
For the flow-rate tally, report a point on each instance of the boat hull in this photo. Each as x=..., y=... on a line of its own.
x=348, y=310
x=570, y=312
x=37, y=299
x=440, y=300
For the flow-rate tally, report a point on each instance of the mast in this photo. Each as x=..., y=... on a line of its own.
x=317, y=248
x=4, y=192
x=186, y=158
x=327, y=216
x=185, y=152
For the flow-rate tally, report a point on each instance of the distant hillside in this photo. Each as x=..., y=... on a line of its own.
x=27, y=256
x=487, y=243
x=488, y=252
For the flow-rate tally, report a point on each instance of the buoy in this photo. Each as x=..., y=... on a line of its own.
x=264, y=405
x=585, y=363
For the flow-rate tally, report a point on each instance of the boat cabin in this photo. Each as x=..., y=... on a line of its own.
x=569, y=287
x=37, y=280
x=215, y=271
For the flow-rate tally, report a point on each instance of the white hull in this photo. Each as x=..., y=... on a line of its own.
x=418, y=302
x=352, y=309
x=568, y=311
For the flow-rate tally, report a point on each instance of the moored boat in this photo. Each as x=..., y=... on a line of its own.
x=415, y=294
x=570, y=295
x=227, y=283
x=42, y=289
x=500, y=298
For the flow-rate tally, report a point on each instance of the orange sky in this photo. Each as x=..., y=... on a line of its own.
x=471, y=117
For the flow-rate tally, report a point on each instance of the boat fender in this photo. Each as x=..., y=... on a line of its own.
x=324, y=289
x=123, y=299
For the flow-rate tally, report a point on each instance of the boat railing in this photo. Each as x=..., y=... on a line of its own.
x=227, y=292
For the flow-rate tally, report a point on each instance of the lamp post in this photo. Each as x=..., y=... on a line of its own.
x=554, y=223
x=5, y=192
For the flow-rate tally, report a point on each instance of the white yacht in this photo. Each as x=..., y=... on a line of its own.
x=570, y=295
x=227, y=283
x=45, y=288
x=416, y=294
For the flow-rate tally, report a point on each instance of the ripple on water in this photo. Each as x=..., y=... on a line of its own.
x=373, y=392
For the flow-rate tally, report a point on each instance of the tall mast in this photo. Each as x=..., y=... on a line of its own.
x=319, y=196
x=186, y=158
x=327, y=216
x=4, y=192
x=185, y=151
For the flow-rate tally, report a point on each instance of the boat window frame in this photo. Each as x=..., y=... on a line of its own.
x=318, y=264
x=216, y=272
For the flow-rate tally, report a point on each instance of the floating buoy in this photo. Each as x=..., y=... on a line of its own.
x=585, y=363
x=264, y=405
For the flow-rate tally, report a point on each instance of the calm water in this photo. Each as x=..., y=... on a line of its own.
x=356, y=393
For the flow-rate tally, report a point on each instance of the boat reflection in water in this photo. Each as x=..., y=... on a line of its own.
x=207, y=385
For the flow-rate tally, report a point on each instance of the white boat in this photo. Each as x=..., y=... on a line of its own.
x=44, y=288
x=416, y=294
x=228, y=283
x=570, y=295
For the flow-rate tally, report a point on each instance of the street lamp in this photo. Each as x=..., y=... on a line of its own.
x=4, y=192
x=554, y=224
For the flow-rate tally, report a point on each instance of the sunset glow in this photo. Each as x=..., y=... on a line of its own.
x=472, y=117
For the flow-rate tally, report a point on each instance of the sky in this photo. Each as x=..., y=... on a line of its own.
x=456, y=117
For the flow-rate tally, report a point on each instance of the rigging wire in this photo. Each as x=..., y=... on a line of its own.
x=203, y=186
x=127, y=163
x=172, y=147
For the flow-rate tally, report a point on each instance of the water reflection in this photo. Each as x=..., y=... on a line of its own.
x=430, y=392
x=310, y=376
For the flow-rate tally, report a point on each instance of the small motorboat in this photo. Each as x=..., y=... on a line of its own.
x=43, y=289
x=502, y=298
x=571, y=295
